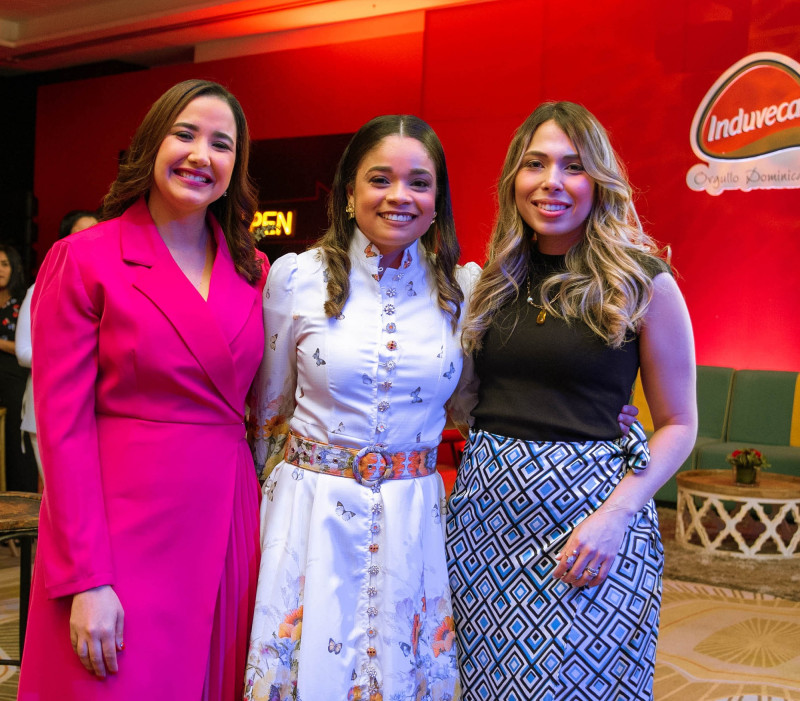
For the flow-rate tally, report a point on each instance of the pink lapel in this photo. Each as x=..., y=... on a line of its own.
x=162, y=282
x=230, y=297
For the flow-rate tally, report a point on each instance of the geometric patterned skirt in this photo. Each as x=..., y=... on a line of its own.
x=521, y=634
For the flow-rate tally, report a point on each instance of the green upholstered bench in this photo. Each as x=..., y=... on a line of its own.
x=764, y=414
x=713, y=398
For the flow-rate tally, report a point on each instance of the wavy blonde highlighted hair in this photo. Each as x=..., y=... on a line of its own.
x=605, y=284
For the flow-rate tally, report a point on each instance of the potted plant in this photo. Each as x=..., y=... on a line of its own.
x=746, y=464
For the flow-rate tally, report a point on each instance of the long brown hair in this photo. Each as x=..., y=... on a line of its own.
x=439, y=241
x=605, y=284
x=135, y=178
x=16, y=281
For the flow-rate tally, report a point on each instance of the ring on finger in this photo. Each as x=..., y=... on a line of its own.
x=591, y=572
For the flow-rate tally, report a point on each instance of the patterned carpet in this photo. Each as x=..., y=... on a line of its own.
x=721, y=644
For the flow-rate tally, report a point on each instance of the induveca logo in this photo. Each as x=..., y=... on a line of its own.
x=747, y=127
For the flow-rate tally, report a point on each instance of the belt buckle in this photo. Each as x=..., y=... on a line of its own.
x=387, y=466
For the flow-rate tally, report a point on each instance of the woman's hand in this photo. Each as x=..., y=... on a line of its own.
x=95, y=629
x=587, y=556
x=626, y=418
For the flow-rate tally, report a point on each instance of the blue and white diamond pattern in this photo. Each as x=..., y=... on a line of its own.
x=522, y=634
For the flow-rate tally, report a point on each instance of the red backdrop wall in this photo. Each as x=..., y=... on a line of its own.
x=475, y=73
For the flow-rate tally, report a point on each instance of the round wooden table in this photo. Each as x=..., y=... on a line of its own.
x=19, y=519
x=716, y=515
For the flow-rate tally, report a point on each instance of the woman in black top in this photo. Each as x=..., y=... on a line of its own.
x=21, y=474
x=554, y=553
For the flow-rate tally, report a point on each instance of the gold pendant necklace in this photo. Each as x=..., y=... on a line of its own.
x=542, y=315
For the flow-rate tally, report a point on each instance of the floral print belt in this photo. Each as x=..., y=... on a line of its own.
x=369, y=466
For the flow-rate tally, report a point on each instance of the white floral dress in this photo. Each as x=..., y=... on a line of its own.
x=353, y=599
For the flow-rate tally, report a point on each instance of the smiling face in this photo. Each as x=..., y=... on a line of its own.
x=394, y=195
x=553, y=193
x=195, y=161
x=5, y=271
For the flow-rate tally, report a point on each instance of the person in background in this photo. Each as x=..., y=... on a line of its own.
x=74, y=221
x=552, y=536
x=21, y=473
x=362, y=352
x=147, y=332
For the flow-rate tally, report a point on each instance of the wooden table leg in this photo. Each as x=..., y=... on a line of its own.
x=2, y=449
x=26, y=543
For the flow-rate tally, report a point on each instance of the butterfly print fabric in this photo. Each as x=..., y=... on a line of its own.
x=365, y=567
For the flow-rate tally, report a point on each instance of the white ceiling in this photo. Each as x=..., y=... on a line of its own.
x=42, y=35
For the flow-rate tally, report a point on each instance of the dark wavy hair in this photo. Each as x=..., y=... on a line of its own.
x=234, y=212
x=439, y=241
x=16, y=283
x=69, y=219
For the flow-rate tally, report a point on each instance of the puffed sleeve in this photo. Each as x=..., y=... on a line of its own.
x=465, y=396
x=65, y=364
x=22, y=339
x=275, y=383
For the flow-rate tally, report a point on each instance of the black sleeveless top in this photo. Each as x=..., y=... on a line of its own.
x=553, y=381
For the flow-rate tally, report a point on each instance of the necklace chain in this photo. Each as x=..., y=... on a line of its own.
x=542, y=315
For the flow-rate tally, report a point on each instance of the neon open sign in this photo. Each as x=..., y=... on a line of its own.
x=273, y=223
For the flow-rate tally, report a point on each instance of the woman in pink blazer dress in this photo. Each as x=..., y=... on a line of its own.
x=147, y=332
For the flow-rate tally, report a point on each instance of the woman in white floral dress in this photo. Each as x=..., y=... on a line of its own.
x=362, y=353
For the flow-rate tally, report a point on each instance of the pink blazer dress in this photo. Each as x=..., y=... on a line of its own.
x=140, y=389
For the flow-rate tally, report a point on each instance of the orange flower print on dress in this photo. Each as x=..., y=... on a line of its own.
x=274, y=426
x=415, y=631
x=444, y=637
x=360, y=693
x=292, y=625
